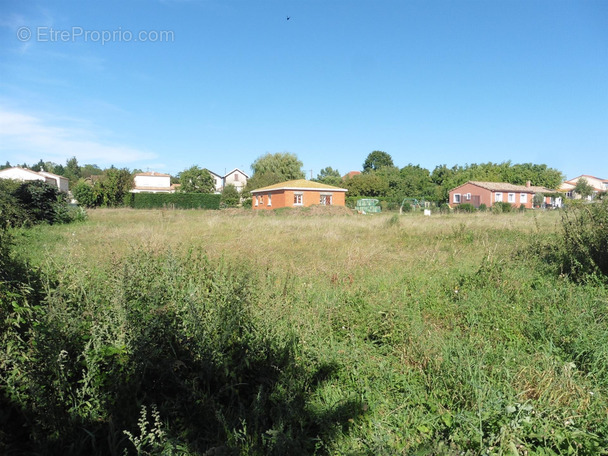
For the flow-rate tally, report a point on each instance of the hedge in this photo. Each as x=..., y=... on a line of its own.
x=174, y=200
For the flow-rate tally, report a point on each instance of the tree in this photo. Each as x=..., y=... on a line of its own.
x=230, y=196
x=583, y=188
x=376, y=160
x=261, y=180
x=114, y=186
x=85, y=194
x=369, y=184
x=416, y=182
x=72, y=171
x=196, y=180
x=285, y=165
x=329, y=176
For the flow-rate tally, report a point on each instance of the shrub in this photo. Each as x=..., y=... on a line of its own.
x=483, y=207
x=86, y=195
x=501, y=206
x=465, y=207
x=174, y=200
x=11, y=212
x=173, y=334
x=230, y=196
x=585, y=240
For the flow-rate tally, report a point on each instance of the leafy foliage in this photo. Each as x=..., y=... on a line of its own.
x=230, y=196
x=114, y=187
x=583, y=188
x=377, y=160
x=174, y=334
x=174, y=200
x=286, y=165
x=329, y=176
x=31, y=203
x=584, y=245
x=196, y=180
x=86, y=194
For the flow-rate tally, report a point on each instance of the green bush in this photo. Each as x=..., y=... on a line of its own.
x=465, y=207
x=173, y=334
x=32, y=202
x=174, y=200
x=483, y=207
x=501, y=207
x=584, y=247
x=230, y=196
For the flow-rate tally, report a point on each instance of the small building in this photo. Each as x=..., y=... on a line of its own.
x=152, y=182
x=218, y=181
x=477, y=193
x=62, y=183
x=24, y=174
x=297, y=193
x=599, y=186
x=237, y=178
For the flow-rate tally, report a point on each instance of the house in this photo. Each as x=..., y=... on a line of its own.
x=478, y=193
x=218, y=181
x=62, y=183
x=297, y=193
x=24, y=174
x=599, y=185
x=152, y=182
x=237, y=178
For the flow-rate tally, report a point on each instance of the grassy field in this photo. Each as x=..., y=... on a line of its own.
x=389, y=334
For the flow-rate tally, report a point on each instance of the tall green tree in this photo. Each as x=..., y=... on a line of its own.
x=376, y=160
x=329, y=176
x=366, y=184
x=114, y=186
x=196, y=180
x=284, y=164
x=230, y=196
x=86, y=194
x=583, y=188
x=72, y=171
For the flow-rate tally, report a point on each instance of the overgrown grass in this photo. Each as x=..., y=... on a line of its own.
x=335, y=335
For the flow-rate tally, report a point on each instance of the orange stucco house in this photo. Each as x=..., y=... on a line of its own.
x=297, y=193
x=488, y=193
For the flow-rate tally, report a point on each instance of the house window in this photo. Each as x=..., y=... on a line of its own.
x=297, y=199
x=325, y=200
x=498, y=197
x=270, y=200
x=257, y=200
x=468, y=197
x=511, y=197
x=456, y=198
x=236, y=177
x=523, y=198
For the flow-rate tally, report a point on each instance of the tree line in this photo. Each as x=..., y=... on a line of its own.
x=379, y=177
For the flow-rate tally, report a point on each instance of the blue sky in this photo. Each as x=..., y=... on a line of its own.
x=163, y=85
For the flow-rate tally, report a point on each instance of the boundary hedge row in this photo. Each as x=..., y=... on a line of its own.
x=174, y=200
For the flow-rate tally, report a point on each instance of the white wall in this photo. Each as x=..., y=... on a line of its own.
x=153, y=181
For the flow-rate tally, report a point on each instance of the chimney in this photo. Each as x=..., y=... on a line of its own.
x=528, y=183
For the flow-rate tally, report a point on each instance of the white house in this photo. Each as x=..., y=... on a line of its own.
x=62, y=183
x=237, y=178
x=152, y=182
x=218, y=181
x=23, y=174
x=599, y=185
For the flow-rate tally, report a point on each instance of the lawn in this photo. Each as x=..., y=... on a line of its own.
x=303, y=331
